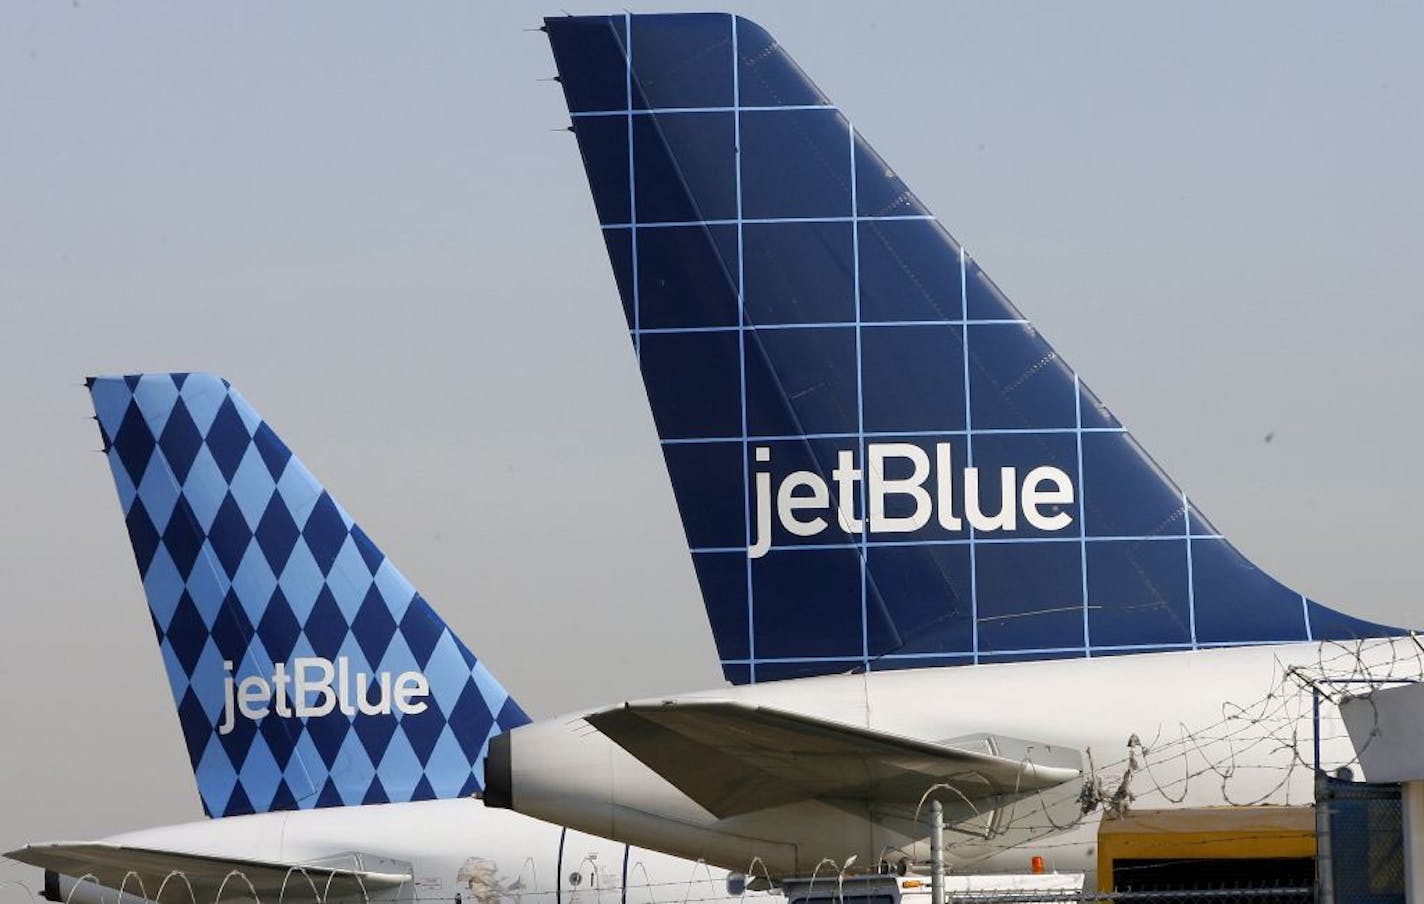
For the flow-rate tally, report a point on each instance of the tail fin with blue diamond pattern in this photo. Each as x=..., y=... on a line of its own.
x=880, y=462
x=307, y=670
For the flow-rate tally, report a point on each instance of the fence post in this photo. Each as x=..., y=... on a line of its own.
x=936, y=852
x=1412, y=800
x=1324, y=861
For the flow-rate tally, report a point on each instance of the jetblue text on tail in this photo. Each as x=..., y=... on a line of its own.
x=331, y=683
x=803, y=499
x=876, y=455
x=305, y=668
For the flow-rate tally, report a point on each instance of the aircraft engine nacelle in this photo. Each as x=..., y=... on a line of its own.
x=564, y=771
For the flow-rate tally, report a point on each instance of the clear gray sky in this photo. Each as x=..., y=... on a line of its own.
x=366, y=217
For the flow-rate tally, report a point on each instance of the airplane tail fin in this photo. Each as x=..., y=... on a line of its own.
x=306, y=669
x=879, y=461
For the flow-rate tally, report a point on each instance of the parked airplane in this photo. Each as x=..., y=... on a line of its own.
x=934, y=561
x=334, y=722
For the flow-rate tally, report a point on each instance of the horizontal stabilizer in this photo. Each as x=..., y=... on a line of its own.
x=734, y=758
x=143, y=871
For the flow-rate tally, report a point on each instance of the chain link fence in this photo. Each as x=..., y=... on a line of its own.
x=1292, y=895
x=1365, y=839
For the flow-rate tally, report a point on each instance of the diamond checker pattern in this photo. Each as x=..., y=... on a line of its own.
x=247, y=561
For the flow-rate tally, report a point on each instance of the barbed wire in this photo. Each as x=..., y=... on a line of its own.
x=1257, y=753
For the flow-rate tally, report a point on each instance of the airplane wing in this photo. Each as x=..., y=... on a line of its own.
x=142, y=871
x=734, y=758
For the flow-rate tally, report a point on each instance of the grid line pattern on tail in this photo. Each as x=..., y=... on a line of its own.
x=285, y=632
x=742, y=343
x=875, y=455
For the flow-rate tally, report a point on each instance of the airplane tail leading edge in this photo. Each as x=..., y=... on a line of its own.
x=879, y=462
x=306, y=669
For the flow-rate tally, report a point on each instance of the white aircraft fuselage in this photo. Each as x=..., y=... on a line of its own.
x=1206, y=733
x=454, y=850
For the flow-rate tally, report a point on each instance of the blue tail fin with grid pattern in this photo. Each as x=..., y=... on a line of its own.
x=879, y=462
x=306, y=669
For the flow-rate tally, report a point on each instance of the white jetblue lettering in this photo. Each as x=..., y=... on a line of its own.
x=363, y=701
x=341, y=677
x=845, y=475
x=252, y=696
x=280, y=680
x=1033, y=497
x=800, y=503
x=763, y=508
x=409, y=686
x=788, y=503
x=881, y=486
x=943, y=467
x=319, y=686
x=1007, y=517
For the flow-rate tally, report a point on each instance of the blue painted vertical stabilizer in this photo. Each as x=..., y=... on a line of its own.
x=880, y=463
x=306, y=669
